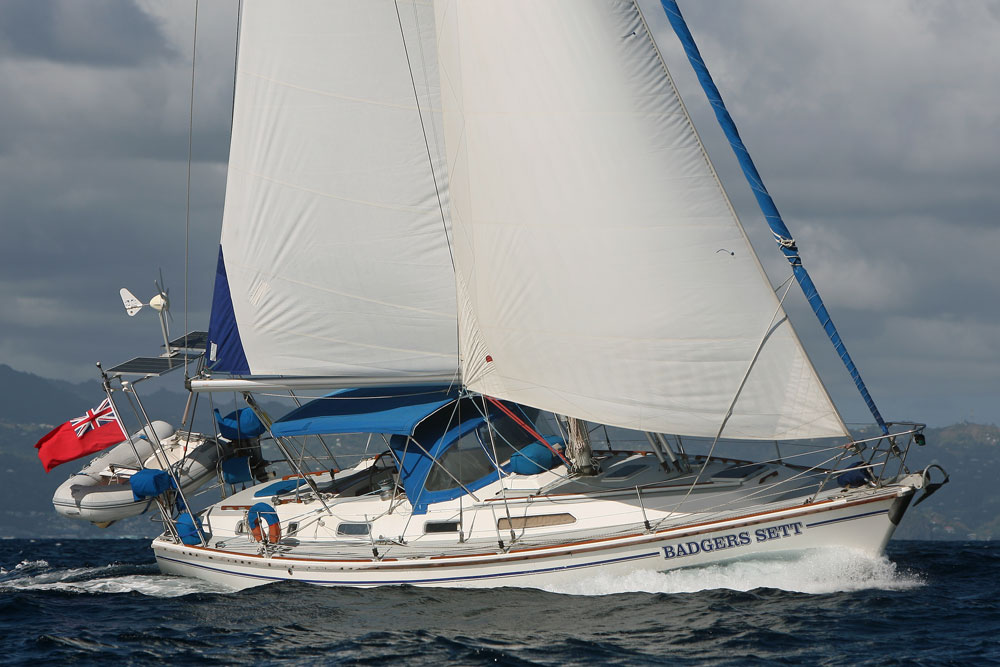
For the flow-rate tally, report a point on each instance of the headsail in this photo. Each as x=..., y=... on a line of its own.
x=587, y=224
x=333, y=233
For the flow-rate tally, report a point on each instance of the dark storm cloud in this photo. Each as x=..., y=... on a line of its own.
x=93, y=168
x=96, y=32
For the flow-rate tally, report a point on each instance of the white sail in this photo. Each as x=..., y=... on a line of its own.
x=588, y=226
x=333, y=234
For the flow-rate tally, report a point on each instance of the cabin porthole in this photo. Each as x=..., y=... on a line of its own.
x=354, y=529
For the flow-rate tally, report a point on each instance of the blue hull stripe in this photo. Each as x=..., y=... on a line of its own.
x=417, y=581
x=846, y=518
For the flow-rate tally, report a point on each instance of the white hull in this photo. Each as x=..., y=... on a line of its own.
x=861, y=520
x=101, y=493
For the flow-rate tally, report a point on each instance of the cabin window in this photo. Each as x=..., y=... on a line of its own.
x=293, y=527
x=508, y=437
x=441, y=527
x=536, y=521
x=241, y=527
x=466, y=460
x=354, y=529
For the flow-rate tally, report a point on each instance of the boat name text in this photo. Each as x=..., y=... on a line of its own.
x=732, y=540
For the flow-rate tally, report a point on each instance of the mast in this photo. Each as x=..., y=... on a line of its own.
x=578, y=448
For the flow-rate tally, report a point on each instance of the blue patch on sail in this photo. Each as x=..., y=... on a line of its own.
x=224, y=351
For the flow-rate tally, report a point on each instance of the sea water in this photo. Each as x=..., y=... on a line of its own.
x=104, y=601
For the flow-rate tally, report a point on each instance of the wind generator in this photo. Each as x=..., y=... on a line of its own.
x=160, y=302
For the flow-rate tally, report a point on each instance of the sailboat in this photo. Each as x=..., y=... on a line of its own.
x=486, y=239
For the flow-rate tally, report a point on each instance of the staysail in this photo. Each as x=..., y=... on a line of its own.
x=334, y=258
x=602, y=272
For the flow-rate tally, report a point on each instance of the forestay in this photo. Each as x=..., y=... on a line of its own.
x=588, y=225
x=334, y=250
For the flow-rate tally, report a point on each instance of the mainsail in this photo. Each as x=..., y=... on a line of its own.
x=599, y=269
x=333, y=242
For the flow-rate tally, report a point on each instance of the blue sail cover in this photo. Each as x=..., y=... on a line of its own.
x=767, y=206
x=224, y=350
x=391, y=410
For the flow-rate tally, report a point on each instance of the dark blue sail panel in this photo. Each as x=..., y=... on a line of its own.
x=781, y=234
x=224, y=351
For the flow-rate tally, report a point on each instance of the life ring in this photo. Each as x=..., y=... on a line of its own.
x=264, y=512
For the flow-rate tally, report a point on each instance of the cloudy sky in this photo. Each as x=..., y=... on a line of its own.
x=876, y=127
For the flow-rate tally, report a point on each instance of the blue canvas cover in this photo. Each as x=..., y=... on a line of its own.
x=150, y=483
x=417, y=465
x=435, y=438
x=532, y=459
x=390, y=410
x=853, y=478
x=278, y=488
x=186, y=529
x=239, y=424
x=237, y=470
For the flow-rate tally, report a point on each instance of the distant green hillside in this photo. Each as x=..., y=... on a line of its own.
x=969, y=506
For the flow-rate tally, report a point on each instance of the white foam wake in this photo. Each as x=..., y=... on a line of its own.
x=102, y=580
x=153, y=585
x=816, y=571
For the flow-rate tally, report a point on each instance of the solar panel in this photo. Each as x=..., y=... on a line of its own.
x=152, y=365
x=196, y=340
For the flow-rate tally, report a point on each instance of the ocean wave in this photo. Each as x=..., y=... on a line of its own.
x=152, y=585
x=25, y=566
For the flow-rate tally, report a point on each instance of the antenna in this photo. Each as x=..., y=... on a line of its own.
x=160, y=302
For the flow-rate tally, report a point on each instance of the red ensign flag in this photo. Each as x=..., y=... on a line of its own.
x=78, y=437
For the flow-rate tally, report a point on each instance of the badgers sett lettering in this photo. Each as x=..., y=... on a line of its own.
x=732, y=540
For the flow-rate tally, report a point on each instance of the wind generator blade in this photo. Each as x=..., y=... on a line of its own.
x=132, y=304
x=160, y=285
